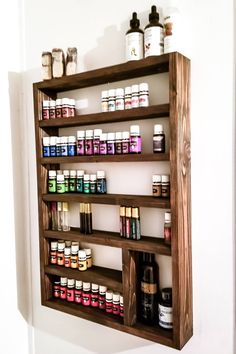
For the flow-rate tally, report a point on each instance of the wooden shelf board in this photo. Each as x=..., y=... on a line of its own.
x=112, y=199
x=113, y=239
x=106, y=158
x=124, y=71
x=103, y=276
x=155, y=334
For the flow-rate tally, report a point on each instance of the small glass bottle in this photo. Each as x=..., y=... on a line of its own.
x=125, y=142
x=165, y=309
x=72, y=107
x=158, y=139
x=104, y=101
x=56, y=289
x=89, y=260
x=67, y=255
x=78, y=291
x=52, y=181
x=71, y=145
x=103, y=144
x=88, y=219
x=89, y=142
x=86, y=295
x=101, y=182
x=58, y=146
x=122, y=222
x=128, y=102
x=80, y=181
x=153, y=35
x=118, y=143
x=46, y=146
x=156, y=185
x=58, y=108
x=102, y=297
x=134, y=40
x=46, y=114
x=63, y=283
x=53, y=252
x=111, y=100
x=116, y=304
x=65, y=217
x=86, y=184
x=65, y=107
x=93, y=184
x=135, y=224
x=54, y=215
x=120, y=103
x=94, y=295
x=60, y=184
x=121, y=306
x=74, y=256
x=110, y=143
x=96, y=141
x=135, y=140
x=143, y=95
x=70, y=292
x=167, y=227
x=53, y=147
x=82, y=217
x=134, y=96
x=60, y=253
x=165, y=186
x=72, y=181
x=66, y=174
x=109, y=299
x=80, y=142
x=52, y=109
x=64, y=145
x=128, y=215
x=59, y=216
x=82, y=263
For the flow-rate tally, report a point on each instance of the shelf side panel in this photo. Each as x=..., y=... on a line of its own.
x=179, y=76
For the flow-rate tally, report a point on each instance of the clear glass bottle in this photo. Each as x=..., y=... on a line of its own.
x=65, y=217
x=54, y=215
x=59, y=216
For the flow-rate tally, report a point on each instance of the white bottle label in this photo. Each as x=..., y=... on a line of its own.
x=153, y=41
x=165, y=317
x=134, y=46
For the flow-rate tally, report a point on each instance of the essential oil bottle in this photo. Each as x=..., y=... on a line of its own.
x=153, y=35
x=134, y=40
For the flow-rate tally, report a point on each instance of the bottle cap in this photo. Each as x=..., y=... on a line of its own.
x=65, y=101
x=93, y=178
x=88, y=133
x=81, y=207
x=82, y=254
x=143, y=86
x=116, y=297
x=86, y=286
x=118, y=135
x=64, y=139
x=54, y=246
x=52, y=173
x=58, y=102
x=121, y=300
x=60, y=178
x=46, y=140
x=75, y=243
x=67, y=251
x=94, y=286
x=165, y=178
x=135, y=212
x=66, y=173
x=166, y=294
x=72, y=102
x=71, y=139
x=80, y=173
x=122, y=211
x=68, y=243
x=52, y=104
x=134, y=22
x=102, y=289
x=125, y=135
x=78, y=284
x=111, y=93
x=61, y=246
x=53, y=140
x=104, y=94
x=58, y=140
x=88, y=251
x=97, y=133
x=110, y=136
x=134, y=129
x=128, y=90
x=158, y=128
x=128, y=212
x=63, y=281
x=100, y=174
x=59, y=206
x=65, y=206
x=59, y=172
x=103, y=136
x=119, y=92
x=86, y=178
x=70, y=283
x=80, y=134
x=154, y=15
x=73, y=173
x=168, y=216
x=156, y=178
x=134, y=88
x=45, y=103
x=74, y=249
x=109, y=295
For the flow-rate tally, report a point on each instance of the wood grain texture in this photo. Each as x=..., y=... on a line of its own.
x=179, y=76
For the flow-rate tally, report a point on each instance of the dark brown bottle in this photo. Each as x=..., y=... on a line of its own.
x=149, y=289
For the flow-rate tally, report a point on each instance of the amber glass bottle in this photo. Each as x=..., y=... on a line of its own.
x=149, y=289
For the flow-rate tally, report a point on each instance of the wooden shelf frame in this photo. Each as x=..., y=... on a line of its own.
x=177, y=110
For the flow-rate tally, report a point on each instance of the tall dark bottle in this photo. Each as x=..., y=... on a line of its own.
x=149, y=289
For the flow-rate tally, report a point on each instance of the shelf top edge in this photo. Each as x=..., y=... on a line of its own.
x=127, y=70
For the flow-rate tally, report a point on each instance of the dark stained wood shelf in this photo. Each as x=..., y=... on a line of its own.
x=113, y=199
x=129, y=70
x=155, y=334
x=157, y=111
x=106, y=158
x=99, y=275
x=113, y=239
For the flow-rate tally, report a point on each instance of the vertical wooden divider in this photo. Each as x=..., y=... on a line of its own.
x=129, y=278
x=179, y=83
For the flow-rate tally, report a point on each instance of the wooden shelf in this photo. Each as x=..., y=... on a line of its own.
x=99, y=275
x=113, y=239
x=106, y=158
x=112, y=199
x=156, y=334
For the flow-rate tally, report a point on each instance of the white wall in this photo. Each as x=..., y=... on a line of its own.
x=97, y=29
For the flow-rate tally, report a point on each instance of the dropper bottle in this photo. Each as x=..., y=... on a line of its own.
x=153, y=35
x=134, y=40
